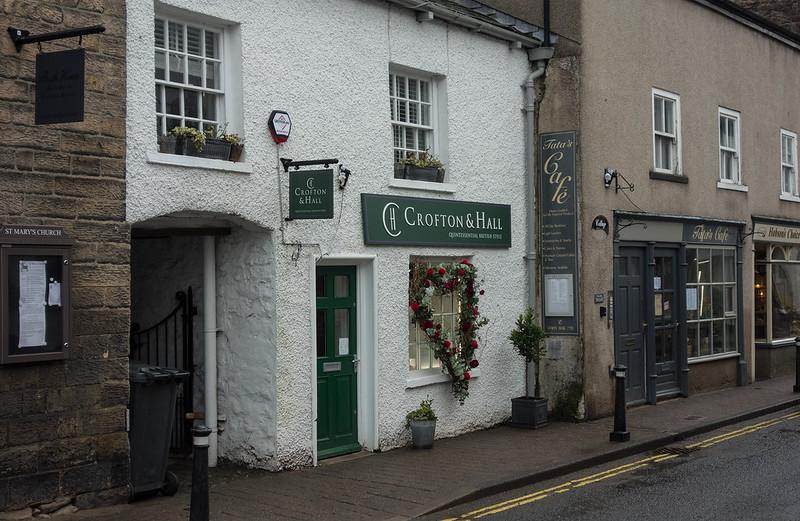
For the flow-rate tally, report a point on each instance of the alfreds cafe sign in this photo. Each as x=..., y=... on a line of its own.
x=311, y=194
x=397, y=220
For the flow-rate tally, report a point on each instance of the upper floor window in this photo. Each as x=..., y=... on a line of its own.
x=729, y=147
x=666, y=132
x=189, y=75
x=789, y=163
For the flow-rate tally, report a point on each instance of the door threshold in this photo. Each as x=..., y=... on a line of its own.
x=667, y=395
x=345, y=457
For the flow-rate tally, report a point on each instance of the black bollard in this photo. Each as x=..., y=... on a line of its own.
x=199, y=505
x=797, y=364
x=620, y=432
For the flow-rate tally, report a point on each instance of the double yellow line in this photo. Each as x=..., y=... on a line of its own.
x=610, y=473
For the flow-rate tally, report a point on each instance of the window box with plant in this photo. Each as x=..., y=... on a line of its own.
x=426, y=167
x=211, y=143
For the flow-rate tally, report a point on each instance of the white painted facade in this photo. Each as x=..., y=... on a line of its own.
x=327, y=64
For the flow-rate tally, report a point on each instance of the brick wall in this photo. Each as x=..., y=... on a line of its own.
x=62, y=424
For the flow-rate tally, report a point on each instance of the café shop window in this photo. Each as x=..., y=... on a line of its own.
x=711, y=301
x=776, y=292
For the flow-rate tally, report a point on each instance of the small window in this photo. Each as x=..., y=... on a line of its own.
x=188, y=75
x=666, y=132
x=789, y=163
x=729, y=147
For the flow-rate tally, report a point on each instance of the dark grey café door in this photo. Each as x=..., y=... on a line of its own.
x=629, y=319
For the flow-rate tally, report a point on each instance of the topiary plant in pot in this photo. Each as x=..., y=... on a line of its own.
x=422, y=422
x=528, y=338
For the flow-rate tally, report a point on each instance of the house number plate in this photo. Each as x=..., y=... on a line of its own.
x=328, y=367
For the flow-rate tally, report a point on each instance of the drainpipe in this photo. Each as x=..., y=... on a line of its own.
x=539, y=57
x=210, y=343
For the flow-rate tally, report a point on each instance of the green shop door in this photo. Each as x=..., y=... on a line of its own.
x=337, y=356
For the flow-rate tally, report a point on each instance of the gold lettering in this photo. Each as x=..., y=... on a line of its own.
x=556, y=177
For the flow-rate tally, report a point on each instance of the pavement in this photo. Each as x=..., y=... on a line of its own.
x=407, y=483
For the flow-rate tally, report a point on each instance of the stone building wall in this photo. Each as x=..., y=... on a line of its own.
x=62, y=423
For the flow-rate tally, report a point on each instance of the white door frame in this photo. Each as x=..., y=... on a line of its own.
x=367, y=328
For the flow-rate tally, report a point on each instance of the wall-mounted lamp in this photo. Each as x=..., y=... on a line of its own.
x=612, y=176
x=344, y=176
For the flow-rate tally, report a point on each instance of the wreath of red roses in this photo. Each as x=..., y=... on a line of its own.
x=455, y=349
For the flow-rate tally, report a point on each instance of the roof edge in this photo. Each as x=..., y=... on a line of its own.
x=753, y=20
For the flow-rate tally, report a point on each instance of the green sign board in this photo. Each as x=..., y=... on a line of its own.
x=391, y=219
x=311, y=194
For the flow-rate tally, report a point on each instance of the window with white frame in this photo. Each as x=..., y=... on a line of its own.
x=412, y=104
x=789, y=163
x=189, y=75
x=729, y=147
x=711, y=319
x=666, y=132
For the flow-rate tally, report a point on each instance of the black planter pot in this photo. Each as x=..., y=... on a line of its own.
x=416, y=173
x=528, y=413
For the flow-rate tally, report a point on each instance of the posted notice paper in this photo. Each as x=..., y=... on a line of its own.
x=32, y=287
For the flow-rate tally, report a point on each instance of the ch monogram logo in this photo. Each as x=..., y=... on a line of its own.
x=390, y=219
x=310, y=183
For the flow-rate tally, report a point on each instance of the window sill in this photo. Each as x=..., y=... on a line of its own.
x=447, y=188
x=775, y=344
x=199, y=162
x=712, y=358
x=736, y=187
x=673, y=178
x=423, y=379
x=792, y=198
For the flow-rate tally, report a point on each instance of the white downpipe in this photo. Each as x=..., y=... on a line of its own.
x=210, y=343
x=530, y=163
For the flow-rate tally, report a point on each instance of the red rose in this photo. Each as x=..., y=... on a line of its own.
x=466, y=326
x=467, y=376
x=481, y=292
x=442, y=271
x=429, y=272
x=427, y=324
x=474, y=344
x=461, y=273
x=447, y=344
x=465, y=261
x=475, y=312
x=437, y=334
x=438, y=326
x=414, y=306
x=426, y=283
x=473, y=363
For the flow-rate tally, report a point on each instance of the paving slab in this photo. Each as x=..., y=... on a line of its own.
x=405, y=483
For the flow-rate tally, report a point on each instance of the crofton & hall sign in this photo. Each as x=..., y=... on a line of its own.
x=434, y=222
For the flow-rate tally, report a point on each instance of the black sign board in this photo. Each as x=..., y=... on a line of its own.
x=559, y=233
x=311, y=194
x=60, y=81
x=710, y=233
x=600, y=223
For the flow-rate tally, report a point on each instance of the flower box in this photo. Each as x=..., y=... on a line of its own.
x=417, y=173
x=171, y=145
x=528, y=413
x=212, y=149
x=236, y=152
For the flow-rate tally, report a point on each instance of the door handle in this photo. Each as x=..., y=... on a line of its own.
x=356, y=363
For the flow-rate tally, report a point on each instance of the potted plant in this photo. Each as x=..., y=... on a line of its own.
x=237, y=146
x=214, y=145
x=179, y=139
x=527, y=337
x=422, y=422
x=426, y=167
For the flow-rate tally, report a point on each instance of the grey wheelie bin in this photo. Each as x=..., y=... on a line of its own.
x=152, y=412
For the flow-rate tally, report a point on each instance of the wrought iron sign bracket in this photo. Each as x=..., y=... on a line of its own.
x=22, y=37
x=288, y=163
x=622, y=225
x=752, y=232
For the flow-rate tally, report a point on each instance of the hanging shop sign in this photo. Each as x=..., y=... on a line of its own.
x=311, y=194
x=776, y=233
x=600, y=223
x=60, y=81
x=559, y=233
x=435, y=222
x=710, y=233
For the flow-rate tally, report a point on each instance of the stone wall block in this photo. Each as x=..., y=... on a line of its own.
x=99, y=232
x=104, y=498
x=100, y=275
x=114, y=253
x=66, y=453
x=10, y=404
x=92, y=347
x=72, y=398
x=86, y=478
x=34, y=401
x=112, y=167
x=89, y=372
x=51, y=162
x=106, y=421
x=22, y=136
x=50, y=206
x=92, y=145
x=7, y=157
x=11, y=204
x=80, y=18
x=114, y=393
x=14, y=90
x=17, y=378
x=82, y=165
x=31, y=489
x=26, y=183
x=106, y=209
x=111, y=446
x=18, y=460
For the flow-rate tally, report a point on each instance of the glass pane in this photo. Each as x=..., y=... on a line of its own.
x=730, y=299
x=719, y=338
x=391, y=85
x=730, y=336
x=341, y=286
x=320, y=285
x=401, y=86
x=664, y=345
x=172, y=123
x=785, y=301
x=658, y=107
x=321, y=337
x=704, y=301
x=411, y=138
x=210, y=107
x=175, y=37
x=424, y=90
x=161, y=66
x=729, y=274
x=391, y=108
x=669, y=116
x=692, y=275
x=158, y=98
x=760, y=300
x=723, y=138
x=778, y=253
x=423, y=139
x=212, y=44
x=398, y=136
x=691, y=339
x=191, y=103
x=194, y=40
x=342, y=331
x=691, y=314
x=402, y=111
x=176, y=68
x=794, y=253
x=716, y=266
x=412, y=89
x=413, y=361
x=413, y=113
x=664, y=270
x=159, y=32
x=159, y=124
x=446, y=304
x=196, y=72
x=173, y=100
x=426, y=115
x=760, y=251
x=703, y=265
x=666, y=302
x=717, y=301
x=213, y=80
x=705, y=338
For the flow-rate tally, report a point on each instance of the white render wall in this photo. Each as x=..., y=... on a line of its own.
x=327, y=64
